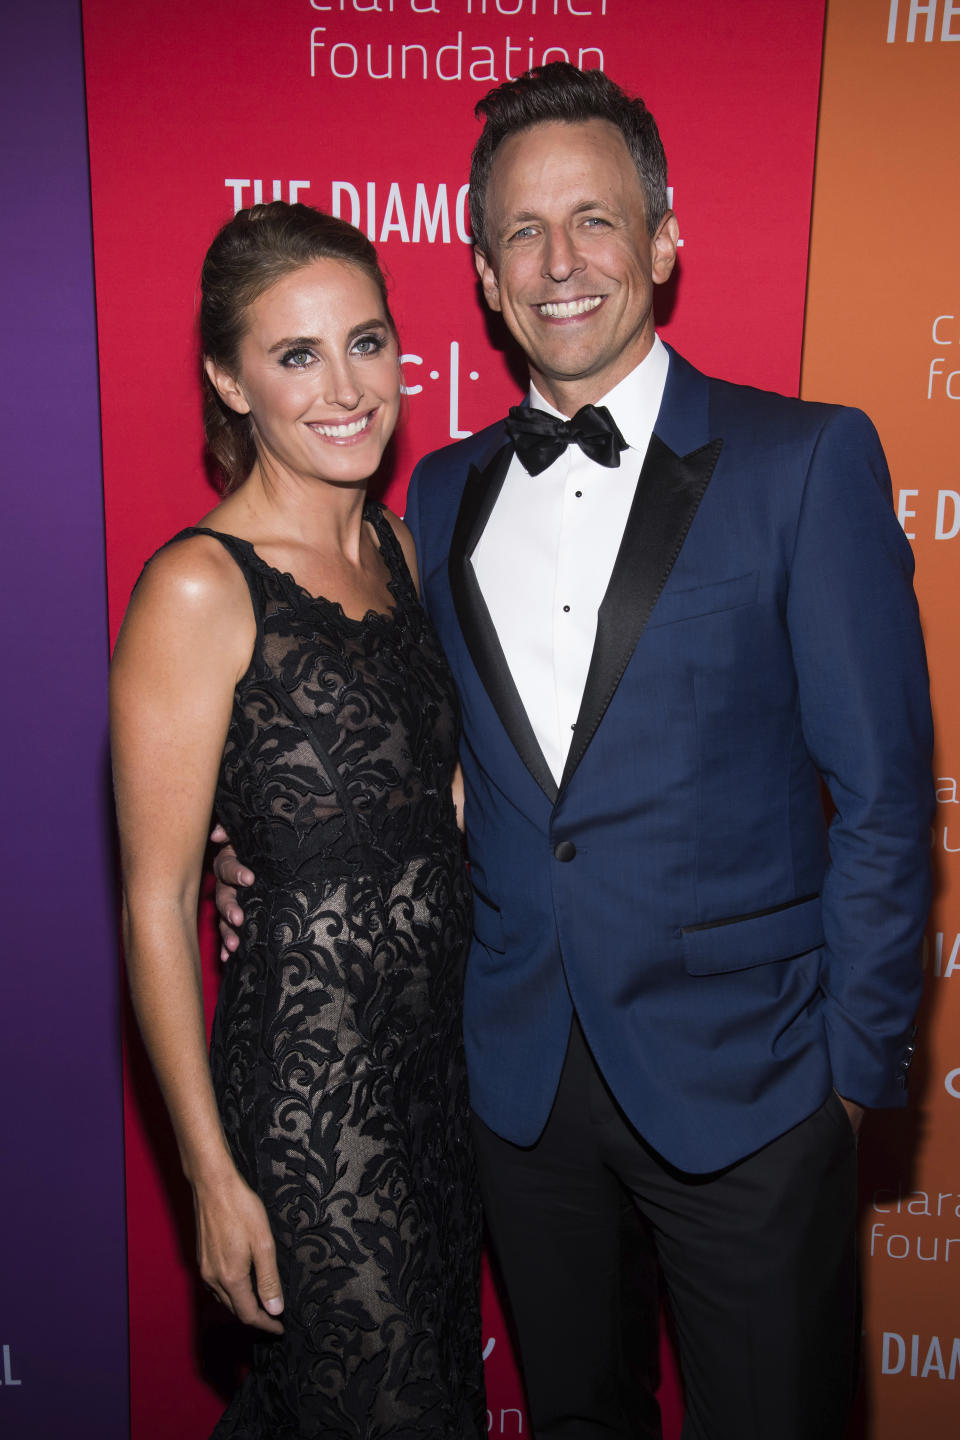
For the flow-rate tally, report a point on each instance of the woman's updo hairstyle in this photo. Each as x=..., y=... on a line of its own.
x=252, y=252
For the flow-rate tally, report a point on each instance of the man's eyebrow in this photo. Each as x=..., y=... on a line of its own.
x=523, y=217
x=518, y=217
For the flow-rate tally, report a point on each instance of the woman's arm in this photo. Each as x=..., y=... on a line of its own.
x=186, y=639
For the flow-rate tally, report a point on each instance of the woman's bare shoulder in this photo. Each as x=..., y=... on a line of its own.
x=191, y=601
x=193, y=571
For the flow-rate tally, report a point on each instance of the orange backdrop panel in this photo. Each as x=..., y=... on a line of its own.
x=883, y=332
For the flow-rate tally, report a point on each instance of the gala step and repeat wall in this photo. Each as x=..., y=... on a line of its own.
x=364, y=107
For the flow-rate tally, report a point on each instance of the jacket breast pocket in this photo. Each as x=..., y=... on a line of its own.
x=676, y=605
x=488, y=923
x=780, y=933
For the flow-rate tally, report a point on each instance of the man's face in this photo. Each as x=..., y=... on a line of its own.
x=572, y=267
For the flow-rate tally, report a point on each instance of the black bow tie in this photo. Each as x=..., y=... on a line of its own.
x=540, y=438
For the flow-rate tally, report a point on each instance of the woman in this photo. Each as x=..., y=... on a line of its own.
x=275, y=666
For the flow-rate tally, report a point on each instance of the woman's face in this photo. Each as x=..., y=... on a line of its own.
x=318, y=374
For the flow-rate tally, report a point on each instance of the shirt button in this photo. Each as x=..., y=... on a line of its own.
x=579, y=494
x=566, y=609
x=564, y=851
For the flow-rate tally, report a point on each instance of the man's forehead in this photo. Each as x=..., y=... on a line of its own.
x=570, y=163
x=561, y=138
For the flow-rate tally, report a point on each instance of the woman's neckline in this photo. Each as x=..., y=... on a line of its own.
x=372, y=512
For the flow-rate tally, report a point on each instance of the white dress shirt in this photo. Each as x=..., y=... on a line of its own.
x=545, y=558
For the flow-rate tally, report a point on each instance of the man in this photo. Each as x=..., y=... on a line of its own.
x=667, y=622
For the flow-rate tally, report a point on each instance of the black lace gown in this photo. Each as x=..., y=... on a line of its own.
x=336, y=1054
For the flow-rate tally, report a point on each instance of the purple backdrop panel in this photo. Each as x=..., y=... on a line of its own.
x=63, y=1346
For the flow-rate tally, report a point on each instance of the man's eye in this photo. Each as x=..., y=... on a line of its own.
x=522, y=233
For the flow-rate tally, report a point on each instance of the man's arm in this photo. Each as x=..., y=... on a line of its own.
x=865, y=712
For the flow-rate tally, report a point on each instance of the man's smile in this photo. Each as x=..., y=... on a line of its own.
x=568, y=309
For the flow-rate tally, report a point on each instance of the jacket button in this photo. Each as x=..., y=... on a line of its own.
x=565, y=850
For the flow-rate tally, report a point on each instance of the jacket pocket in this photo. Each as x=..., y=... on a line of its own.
x=487, y=923
x=743, y=941
x=705, y=599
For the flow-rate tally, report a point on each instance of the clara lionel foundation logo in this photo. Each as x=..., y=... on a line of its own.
x=915, y=1225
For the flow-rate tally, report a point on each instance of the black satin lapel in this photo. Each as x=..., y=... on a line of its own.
x=478, y=499
x=479, y=496
x=668, y=495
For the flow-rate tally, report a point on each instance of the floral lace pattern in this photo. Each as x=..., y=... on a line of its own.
x=336, y=1053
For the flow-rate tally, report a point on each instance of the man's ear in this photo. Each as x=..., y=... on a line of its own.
x=663, y=248
x=227, y=387
x=488, y=279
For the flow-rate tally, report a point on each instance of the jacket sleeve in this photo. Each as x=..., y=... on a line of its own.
x=865, y=712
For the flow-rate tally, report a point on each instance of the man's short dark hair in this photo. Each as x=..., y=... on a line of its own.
x=560, y=91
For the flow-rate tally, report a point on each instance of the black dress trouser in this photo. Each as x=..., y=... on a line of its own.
x=758, y=1260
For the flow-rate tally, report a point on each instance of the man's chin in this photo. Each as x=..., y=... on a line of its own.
x=572, y=370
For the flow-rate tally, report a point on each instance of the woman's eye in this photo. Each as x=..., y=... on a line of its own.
x=297, y=359
x=369, y=344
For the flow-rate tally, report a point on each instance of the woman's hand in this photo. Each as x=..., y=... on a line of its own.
x=236, y=1251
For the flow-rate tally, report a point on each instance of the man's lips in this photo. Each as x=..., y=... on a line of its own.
x=342, y=430
x=568, y=309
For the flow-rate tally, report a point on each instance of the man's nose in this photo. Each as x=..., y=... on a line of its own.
x=561, y=258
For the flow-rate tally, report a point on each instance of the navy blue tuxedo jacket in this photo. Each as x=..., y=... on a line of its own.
x=729, y=955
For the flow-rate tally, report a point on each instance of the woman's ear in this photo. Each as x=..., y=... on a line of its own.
x=227, y=386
